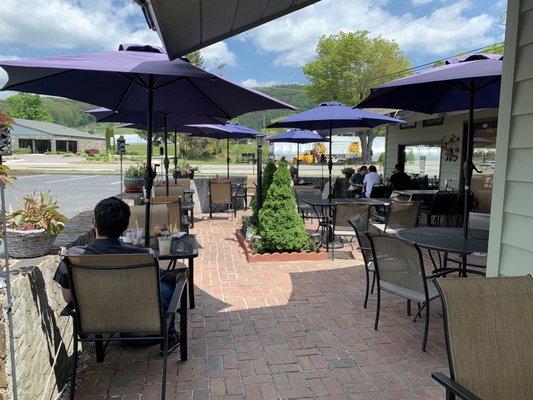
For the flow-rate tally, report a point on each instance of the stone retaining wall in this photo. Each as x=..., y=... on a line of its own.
x=43, y=338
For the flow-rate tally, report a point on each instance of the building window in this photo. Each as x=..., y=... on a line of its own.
x=433, y=122
x=61, y=146
x=408, y=125
x=42, y=146
x=422, y=159
x=26, y=144
x=72, y=146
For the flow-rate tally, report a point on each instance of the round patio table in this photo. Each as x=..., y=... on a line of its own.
x=447, y=240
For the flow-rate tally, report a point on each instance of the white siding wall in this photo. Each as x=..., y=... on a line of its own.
x=452, y=125
x=511, y=235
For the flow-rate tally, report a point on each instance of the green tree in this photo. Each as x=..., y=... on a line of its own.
x=281, y=228
x=109, y=137
x=27, y=106
x=196, y=58
x=347, y=66
x=268, y=176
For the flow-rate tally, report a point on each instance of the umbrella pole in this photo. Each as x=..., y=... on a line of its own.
x=166, y=161
x=468, y=165
x=298, y=160
x=227, y=157
x=149, y=172
x=175, y=155
x=330, y=162
x=9, y=305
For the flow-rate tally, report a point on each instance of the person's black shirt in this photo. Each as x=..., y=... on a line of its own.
x=98, y=246
x=400, y=180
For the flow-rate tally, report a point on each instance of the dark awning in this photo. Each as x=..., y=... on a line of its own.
x=189, y=25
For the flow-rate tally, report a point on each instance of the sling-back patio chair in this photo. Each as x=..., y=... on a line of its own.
x=173, y=203
x=488, y=324
x=360, y=227
x=329, y=190
x=220, y=195
x=305, y=210
x=118, y=297
x=400, y=270
x=442, y=206
x=342, y=214
x=159, y=216
x=401, y=214
x=185, y=182
x=479, y=222
x=173, y=190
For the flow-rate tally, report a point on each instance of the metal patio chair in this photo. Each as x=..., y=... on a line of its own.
x=400, y=270
x=173, y=190
x=220, y=195
x=476, y=221
x=178, y=220
x=120, y=294
x=401, y=215
x=159, y=216
x=342, y=213
x=488, y=325
x=360, y=227
x=442, y=205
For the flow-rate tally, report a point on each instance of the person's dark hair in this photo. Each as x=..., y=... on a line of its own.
x=399, y=167
x=363, y=168
x=372, y=168
x=111, y=217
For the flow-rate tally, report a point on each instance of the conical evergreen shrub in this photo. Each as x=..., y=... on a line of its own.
x=268, y=176
x=280, y=226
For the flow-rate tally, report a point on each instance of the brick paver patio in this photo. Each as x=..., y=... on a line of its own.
x=279, y=331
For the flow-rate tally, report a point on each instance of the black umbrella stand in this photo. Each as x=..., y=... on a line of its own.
x=166, y=162
x=175, y=155
x=149, y=172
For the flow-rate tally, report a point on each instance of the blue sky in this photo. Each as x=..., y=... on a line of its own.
x=273, y=53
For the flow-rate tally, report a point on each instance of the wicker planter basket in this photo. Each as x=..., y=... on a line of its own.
x=133, y=184
x=29, y=244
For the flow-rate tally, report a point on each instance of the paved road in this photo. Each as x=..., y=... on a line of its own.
x=75, y=193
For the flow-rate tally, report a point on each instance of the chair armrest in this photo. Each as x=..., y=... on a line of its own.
x=438, y=274
x=181, y=284
x=68, y=311
x=454, y=387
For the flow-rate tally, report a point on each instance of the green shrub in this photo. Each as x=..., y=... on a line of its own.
x=268, y=175
x=280, y=226
x=21, y=150
x=135, y=171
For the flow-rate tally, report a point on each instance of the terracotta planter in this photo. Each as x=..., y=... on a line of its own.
x=278, y=257
x=29, y=244
x=133, y=184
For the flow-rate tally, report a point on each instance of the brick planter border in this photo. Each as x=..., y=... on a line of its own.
x=277, y=257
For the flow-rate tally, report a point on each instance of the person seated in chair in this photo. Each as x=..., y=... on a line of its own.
x=399, y=180
x=111, y=219
x=371, y=179
x=356, y=181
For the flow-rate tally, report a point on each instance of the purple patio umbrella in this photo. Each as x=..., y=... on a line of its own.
x=220, y=132
x=332, y=115
x=464, y=83
x=161, y=123
x=297, y=136
x=136, y=78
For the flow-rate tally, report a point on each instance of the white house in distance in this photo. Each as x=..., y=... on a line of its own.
x=41, y=137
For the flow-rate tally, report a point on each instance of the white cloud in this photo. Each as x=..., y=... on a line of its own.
x=218, y=54
x=420, y=2
x=70, y=24
x=252, y=83
x=447, y=29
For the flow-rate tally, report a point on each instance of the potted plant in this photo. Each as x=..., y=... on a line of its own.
x=31, y=231
x=348, y=172
x=133, y=178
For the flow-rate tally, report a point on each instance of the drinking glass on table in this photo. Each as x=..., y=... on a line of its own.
x=164, y=244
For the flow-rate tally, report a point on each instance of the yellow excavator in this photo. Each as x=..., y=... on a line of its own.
x=311, y=156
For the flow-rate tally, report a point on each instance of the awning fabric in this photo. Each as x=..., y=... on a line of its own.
x=188, y=25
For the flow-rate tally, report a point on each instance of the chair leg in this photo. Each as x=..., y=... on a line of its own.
x=426, y=326
x=378, y=304
x=99, y=349
x=450, y=395
x=74, y=366
x=408, y=307
x=367, y=286
x=183, y=326
x=165, y=359
x=210, y=211
x=373, y=283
